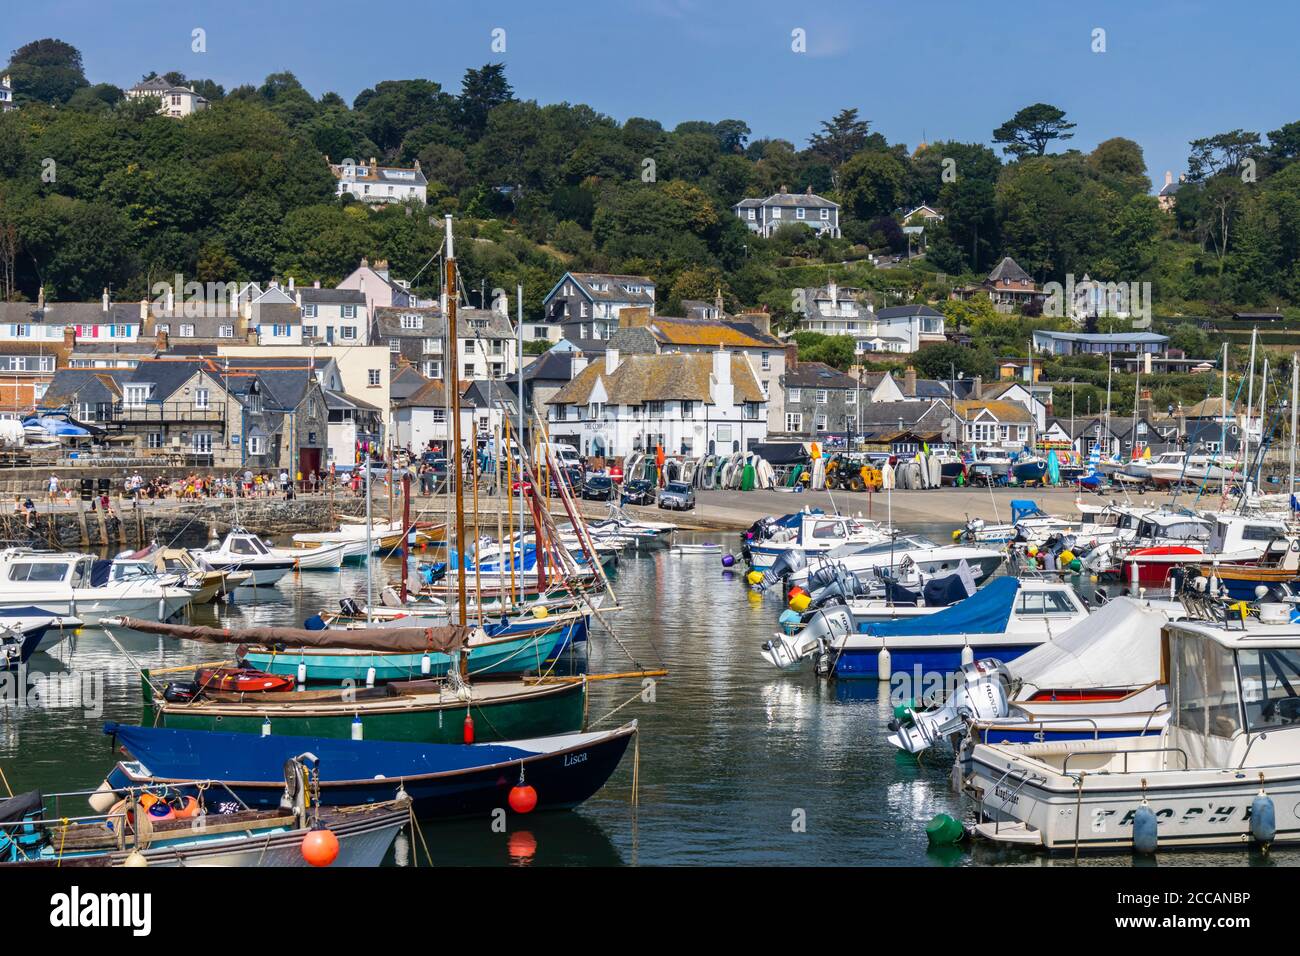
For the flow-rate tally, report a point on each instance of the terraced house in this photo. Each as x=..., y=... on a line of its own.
x=690, y=403
x=485, y=341
x=586, y=305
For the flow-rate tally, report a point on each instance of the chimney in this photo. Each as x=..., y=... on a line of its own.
x=69, y=336
x=783, y=189
x=40, y=298
x=144, y=309
x=909, y=382
x=722, y=367
x=759, y=320
x=297, y=295
x=1169, y=178
x=633, y=317
x=977, y=388
x=290, y=283
x=316, y=284
x=381, y=266
x=160, y=341
x=809, y=190
x=365, y=263
x=105, y=300
x=171, y=300
x=611, y=361
x=791, y=355
x=577, y=364
x=417, y=165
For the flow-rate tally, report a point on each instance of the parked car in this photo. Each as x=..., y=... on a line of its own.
x=638, y=491
x=596, y=487
x=677, y=496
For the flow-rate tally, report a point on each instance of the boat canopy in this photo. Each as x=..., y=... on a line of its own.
x=1022, y=508
x=1116, y=646
x=393, y=640
x=987, y=611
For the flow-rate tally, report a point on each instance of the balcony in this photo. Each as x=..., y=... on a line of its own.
x=177, y=412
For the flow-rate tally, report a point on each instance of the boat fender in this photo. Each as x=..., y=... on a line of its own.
x=883, y=664
x=1263, y=819
x=320, y=847
x=967, y=655
x=370, y=676
x=1145, y=829
x=426, y=666
x=944, y=830
x=302, y=674
x=468, y=730
x=358, y=732
x=266, y=727
x=102, y=800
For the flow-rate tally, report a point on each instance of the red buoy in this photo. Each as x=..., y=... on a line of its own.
x=795, y=592
x=523, y=798
x=320, y=847
x=469, y=728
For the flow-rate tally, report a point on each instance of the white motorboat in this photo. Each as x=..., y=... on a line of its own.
x=1177, y=467
x=809, y=534
x=1225, y=771
x=1099, y=679
x=68, y=584
x=242, y=551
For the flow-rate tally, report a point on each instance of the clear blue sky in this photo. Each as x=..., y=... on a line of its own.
x=951, y=69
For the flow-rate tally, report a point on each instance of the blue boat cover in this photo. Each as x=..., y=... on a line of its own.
x=249, y=758
x=1023, y=508
x=984, y=612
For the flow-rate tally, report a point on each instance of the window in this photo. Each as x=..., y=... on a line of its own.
x=45, y=572
x=820, y=424
x=121, y=331
x=226, y=332
x=826, y=215
x=1204, y=694
x=256, y=445
x=309, y=311
x=795, y=395
x=1044, y=602
x=201, y=443
x=155, y=440
x=822, y=396
x=750, y=411
x=164, y=329
x=765, y=361
x=688, y=409
x=655, y=409
x=412, y=321
x=776, y=212
x=469, y=370
x=394, y=345
x=1024, y=432
x=1271, y=678
x=432, y=369
x=372, y=378
x=793, y=422
x=751, y=214
x=440, y=416
x=799, y=213
x=595, y=410
x=137, y=395
x=851, y=396
x=187, y=331
x=828, y=529
x=201, y=398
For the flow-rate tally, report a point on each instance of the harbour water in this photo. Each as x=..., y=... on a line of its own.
x=739, y=764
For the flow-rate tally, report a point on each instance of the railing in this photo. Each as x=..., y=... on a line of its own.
x=179, y=412
x=1065, y=764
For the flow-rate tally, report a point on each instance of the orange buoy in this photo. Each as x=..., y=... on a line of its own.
x=320, y=847
x=186, y=809
x=523, y=798
x=795, y=592
x=469, y=728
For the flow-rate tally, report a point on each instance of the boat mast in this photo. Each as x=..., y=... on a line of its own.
x=454, y=463
x=1250, y=404
x=1295, y=387
x=1223, y=424
x=370, y=544
x=519, y=436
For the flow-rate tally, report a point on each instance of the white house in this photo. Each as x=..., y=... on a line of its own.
x=333, y=316
x=906, y=328
x=766, y=216
x=176, y=101
x=836, y=310
x=274, y=315
x=103, y=321
x=6, y=94
x=372, y=183
x=690, y=403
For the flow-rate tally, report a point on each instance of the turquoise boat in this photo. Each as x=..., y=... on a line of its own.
x=496, y=657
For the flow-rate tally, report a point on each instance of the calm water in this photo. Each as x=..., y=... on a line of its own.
x=733, y=753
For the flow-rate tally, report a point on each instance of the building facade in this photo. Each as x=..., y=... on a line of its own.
x=766, y=216
x=372, y=183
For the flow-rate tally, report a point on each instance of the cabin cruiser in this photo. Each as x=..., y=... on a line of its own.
x=905, y=556
x=25, y=631
x=242, y=551
x=989, y=464
x=1101, y=678
x=1004, y=619
x=205, y=584
x=1028, y=522
x=1225, y=770
x=1177, y=467
x=1232, y=539
x=810, y=534
x=67, y=584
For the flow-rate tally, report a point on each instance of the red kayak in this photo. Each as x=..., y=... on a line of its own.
x=241, y=680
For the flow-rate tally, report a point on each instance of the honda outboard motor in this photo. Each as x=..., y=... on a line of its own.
x=845, y=586
x=786, y=563
x=982, y=693
x=824, y=630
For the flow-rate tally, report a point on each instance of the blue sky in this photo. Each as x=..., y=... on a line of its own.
x=1171, y=71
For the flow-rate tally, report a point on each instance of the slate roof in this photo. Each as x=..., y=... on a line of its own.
x=647, y=378
x=817, y=375
x=551, y=366
x=897, y=311
x=85, y=385
x=910, y=412
x=1009, y=269
x=404, y=382
x=807, y=199
x=70, y=313
x=617, y=291
x=388, y=321
x=314, y=296
x=1008, y=412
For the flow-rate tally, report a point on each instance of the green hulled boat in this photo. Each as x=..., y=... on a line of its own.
x=426, y=711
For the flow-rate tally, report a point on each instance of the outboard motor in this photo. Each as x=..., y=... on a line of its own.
x=844, y=587
x=823, y=631
x=786, y=563
x=982, y=693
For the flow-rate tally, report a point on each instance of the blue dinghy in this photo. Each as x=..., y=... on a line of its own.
x=443, y=780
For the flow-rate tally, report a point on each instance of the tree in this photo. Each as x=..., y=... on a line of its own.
x=46, y=71
x=840, y=138
x=871, y=184
x=944, y=360
x=1032, y=129
x=1223, y=152
x=481, y=91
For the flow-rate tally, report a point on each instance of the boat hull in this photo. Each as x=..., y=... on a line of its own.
x=561, y=711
